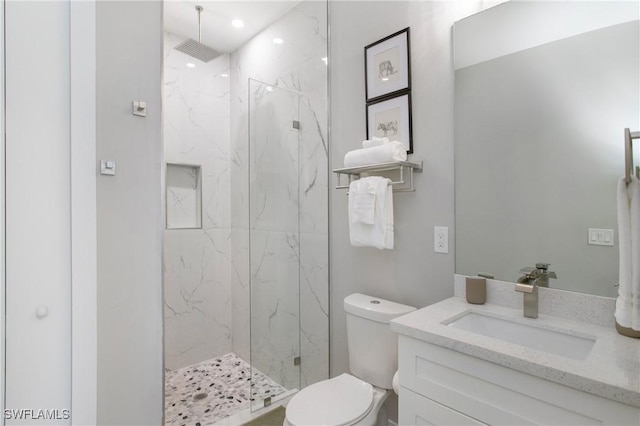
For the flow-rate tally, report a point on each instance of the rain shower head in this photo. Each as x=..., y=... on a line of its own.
x=195, y=48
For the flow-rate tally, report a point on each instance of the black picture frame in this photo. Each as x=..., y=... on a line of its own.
x=391, y=117
x=387, y=65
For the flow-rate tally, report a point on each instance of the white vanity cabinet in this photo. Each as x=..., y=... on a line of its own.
x=441, y=386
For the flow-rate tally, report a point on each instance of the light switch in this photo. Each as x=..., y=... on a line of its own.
x=601, y=237
x=107, y=167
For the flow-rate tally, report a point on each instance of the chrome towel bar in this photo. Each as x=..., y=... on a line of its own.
x=403, y=167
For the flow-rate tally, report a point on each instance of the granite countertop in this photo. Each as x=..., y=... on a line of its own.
x=611, y=370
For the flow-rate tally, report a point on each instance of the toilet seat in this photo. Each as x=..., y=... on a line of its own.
x=343, y=400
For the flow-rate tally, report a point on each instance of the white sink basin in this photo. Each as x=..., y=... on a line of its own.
x=557, y=342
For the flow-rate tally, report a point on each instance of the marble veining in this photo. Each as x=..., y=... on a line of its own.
x=210, y=391
x=197, y=262
x=280, y=204
x=184, y=205
x=264, y=236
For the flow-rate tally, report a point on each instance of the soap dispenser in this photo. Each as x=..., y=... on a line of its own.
x=476, y=290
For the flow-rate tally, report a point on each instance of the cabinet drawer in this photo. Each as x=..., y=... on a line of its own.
x=498, y=395
x=414, y=409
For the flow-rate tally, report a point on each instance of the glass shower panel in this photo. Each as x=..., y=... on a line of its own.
x=274, y=241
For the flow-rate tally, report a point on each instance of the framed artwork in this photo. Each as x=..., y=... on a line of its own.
x=391, y=118
x=387, y=67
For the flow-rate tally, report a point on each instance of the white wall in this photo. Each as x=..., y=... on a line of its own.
x=129, y=209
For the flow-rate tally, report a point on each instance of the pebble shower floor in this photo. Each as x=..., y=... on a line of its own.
x=205, y=393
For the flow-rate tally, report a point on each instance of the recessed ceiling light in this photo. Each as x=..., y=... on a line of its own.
x=385, y=79
x=278, y=40
x=269, y=89
x=237, y=23
x=191, y=65
x=224, y=74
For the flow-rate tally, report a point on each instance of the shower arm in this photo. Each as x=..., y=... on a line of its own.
x=199, y=9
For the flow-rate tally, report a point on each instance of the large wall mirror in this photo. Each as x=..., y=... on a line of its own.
x=544, y=91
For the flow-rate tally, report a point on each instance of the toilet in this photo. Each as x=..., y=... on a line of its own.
x=356, y=398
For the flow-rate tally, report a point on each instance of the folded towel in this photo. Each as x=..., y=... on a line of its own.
x=364, y=206
x=364, y=232
x=628, y=302
x=386, y=153
x=376, y=141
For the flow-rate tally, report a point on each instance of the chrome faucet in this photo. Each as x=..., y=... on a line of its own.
x=544, y=274
x=528, y=284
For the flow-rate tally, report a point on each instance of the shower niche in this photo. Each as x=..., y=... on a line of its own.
x=246, y=279
x=183, y=196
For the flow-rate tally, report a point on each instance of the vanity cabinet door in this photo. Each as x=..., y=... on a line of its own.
x=418, y=410
x=498, y=395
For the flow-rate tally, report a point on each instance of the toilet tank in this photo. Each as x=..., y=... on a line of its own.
x=373, y=347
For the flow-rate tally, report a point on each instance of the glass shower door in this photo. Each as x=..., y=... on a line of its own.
x=274, y=241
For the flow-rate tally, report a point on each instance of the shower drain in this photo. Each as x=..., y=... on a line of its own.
x=199, y=396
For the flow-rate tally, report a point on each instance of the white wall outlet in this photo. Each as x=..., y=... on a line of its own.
x=441, y=239
x=601, y=237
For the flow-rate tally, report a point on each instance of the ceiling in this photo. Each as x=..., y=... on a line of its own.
x=181, y=18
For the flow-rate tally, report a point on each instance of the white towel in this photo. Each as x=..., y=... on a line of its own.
x=386, y=153
x=628, y=303
x=363, y=207
x=379, y=233
x=376, y=141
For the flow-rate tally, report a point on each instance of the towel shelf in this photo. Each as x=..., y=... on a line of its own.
x=404, y=167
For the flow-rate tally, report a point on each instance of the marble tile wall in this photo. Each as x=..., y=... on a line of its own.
x=274, y=231
x=282, y=210
x=184, y=204
x=279, y=209
x=198, y=262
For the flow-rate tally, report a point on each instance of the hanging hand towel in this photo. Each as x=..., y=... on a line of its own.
x=628, y=303
x=386, y=153
x=376, y=141
x=371, y=198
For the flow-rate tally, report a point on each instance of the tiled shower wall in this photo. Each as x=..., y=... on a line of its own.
x=207, y=271
x=298, y=66
x=197, y=262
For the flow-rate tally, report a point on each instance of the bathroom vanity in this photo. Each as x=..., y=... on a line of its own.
x=487, y=364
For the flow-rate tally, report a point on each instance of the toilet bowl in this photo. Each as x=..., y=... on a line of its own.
x=356, y=398
x=343, y=400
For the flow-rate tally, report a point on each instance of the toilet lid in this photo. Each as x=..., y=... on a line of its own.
x=342, y=400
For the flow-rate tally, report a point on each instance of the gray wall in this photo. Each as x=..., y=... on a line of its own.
x=411, y=273
x=129, y=209
x=539, y=152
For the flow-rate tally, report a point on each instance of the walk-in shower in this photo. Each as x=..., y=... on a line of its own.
x=246, y=290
